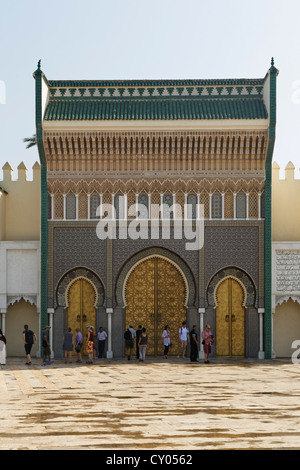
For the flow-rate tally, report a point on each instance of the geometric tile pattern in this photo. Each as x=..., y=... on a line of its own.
x=237, y=246
x=71, y=276
x=238, y=274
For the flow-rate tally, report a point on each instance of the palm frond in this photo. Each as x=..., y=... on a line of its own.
x=31, y=141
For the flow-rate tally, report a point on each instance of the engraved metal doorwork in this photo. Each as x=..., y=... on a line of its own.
x=81, y=311
x=155, y=297
x=230, y=320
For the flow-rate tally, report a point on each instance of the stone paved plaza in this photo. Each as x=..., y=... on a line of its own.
x=157, y=405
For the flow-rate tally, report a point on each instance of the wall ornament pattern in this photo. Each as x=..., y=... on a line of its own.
x=142, y=256
x=11, y=300
x=72, y=276
x=280, y=299
x=247, y=284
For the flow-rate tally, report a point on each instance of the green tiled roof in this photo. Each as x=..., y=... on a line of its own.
x=156, y=99
x=155, y=109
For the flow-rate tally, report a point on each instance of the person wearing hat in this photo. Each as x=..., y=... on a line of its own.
x=90, y=343
x=46, y=345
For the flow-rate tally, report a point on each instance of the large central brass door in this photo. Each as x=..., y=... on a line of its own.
x=230, y=320
x=81, y=311
x=155, y=297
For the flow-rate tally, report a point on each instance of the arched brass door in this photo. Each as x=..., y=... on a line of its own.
x=230, y=320
x=155, y=297
x=81, y=311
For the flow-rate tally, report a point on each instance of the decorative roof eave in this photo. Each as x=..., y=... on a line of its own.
x=164, y=99
x=158, y=91
x=154, y=83
x=146, y=125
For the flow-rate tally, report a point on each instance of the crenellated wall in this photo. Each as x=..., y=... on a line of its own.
x=19, y=255
x=20, y=204
x=285, y=260
x=285, y=204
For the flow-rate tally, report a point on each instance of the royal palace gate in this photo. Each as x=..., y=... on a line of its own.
x=155, y=297
x=230, y=320
x=81, y=310
x=170, y=143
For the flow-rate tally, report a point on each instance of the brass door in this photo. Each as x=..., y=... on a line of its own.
x=155, y=296
x=230, y=320
x=81, y=311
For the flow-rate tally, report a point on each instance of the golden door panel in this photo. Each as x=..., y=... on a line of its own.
x=171, y=308
x=222, y=321
x=237, y=320
x=88, y=309
x=81, y=311
x=140, y=300
x=155, y=296
x=74, y=302
x=230, y=320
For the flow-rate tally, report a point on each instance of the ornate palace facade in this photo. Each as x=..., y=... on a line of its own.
x=197, y=149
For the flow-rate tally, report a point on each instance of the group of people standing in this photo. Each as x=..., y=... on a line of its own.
x=140, y=338
x=29, y=338
x=191, y=338
x=95, y=344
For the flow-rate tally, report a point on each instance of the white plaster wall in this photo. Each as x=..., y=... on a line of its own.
x=22, y=272
x=19, y=271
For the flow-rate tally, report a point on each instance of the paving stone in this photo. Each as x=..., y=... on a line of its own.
x=172, y=405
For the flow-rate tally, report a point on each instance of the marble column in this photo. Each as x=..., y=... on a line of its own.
x=50, y=314
x=201, y=328
x=109, y=353
x=261, y=353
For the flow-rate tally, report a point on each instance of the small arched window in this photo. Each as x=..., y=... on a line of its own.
x=119, y=206
x=94, y=204
x=216, y=206
x=241, y=202
x=71, y=207
x=143, y=206
x=167, y=205
x=192, y=206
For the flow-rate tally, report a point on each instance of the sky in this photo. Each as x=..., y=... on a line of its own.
x=138, y=39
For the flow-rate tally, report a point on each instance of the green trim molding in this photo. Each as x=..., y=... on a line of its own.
x=38, y=75
x=272, y=76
